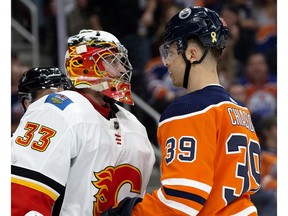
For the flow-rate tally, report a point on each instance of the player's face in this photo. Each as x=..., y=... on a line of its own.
x=113, y=66
x=175, y=65
x=168, y=53
x=257, y=68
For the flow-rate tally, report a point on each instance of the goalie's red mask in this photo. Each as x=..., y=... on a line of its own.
x=97, y=60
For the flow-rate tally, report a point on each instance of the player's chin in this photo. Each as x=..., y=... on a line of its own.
x=176, y=83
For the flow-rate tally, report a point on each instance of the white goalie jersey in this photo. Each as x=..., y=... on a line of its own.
x=63, y=146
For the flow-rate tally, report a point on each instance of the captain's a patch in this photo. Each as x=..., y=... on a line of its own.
x=58, y=100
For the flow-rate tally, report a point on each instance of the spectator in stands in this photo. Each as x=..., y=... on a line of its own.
x=266, y=15
x=243, y=38
x=266, y=198
x=266, y=35
x=81, y=17
x=238, y=92
x=247, y=19
x=261, y=87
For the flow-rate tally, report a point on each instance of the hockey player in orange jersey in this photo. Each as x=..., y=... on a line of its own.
x=210, y=151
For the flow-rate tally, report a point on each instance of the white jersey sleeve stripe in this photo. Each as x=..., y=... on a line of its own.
x=187, y=182
x=246, y=211
x=176, y=205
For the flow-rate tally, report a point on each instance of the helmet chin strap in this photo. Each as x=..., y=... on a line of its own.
x=188, y=66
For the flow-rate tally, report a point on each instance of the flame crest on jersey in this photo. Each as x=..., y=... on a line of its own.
x=109, y=182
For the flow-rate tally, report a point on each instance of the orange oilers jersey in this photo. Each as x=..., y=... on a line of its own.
x=210, y=158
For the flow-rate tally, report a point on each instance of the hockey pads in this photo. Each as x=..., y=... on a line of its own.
x=124, y=208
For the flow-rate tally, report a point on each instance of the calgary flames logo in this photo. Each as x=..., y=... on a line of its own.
x=109, y=182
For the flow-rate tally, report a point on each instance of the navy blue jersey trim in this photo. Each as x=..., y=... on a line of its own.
x=58, y=100
x=30, y=174
x=185, y=195
x=197, y=101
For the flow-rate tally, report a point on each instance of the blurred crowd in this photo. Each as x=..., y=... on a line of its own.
x=247, y=68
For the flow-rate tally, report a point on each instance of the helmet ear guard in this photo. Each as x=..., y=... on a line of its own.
x=92, y=61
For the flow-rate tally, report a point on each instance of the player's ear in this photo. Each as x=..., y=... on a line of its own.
x=26, y=103
x=192, y=53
